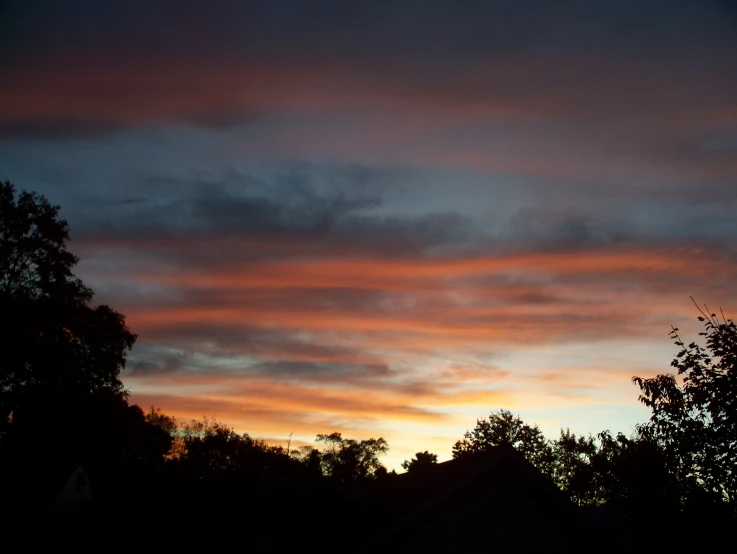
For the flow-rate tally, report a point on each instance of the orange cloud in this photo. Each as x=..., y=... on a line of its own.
x=456, y=302
x=432, y=343
x=389, y=122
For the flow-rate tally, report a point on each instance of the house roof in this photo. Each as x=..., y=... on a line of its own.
x=499, y=482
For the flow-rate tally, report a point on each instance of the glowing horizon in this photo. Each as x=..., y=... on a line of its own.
x=387, y=222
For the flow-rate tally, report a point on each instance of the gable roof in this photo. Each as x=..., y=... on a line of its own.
x=417, y=499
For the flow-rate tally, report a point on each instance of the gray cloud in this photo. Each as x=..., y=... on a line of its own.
x=310, y=210
x=180, y=62
x=339, y=29
x=337, y=371
x=299, y=200
x=157, y=361
x=57, y=127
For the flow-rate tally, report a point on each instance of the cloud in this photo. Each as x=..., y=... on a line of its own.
x=364, y=322
x=233, y=273
x=234, y=64
x=309, y=211
x=384, y=216
x=283, y=400
x=156, y=360
x=52, y=128
x=368, y=344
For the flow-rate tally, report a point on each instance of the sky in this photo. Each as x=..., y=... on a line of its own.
x=386, y=218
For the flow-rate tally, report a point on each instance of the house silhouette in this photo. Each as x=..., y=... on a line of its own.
x=494, y=501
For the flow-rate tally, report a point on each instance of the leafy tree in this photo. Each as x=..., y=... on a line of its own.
x=572, y=469
x=157, y=418
x=156, y=434
x=504, y=428
x=694, y=415
x=34, y=261
x=350, y=460
x=311, y=458
x=95, y=431
x=629, y=474
x=212, y=447
x=55, y=340
x=209, y=448
x=420, y=462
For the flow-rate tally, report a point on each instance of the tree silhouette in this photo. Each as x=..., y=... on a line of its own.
x=157, y=418
x=55, y=341
x=349, y=460
x=62, y=403
x=504, y=428
x=420, y=462
x=694, y=415
x=311, y=458
x=211, y=447
x=573, y=470
x=629, y=473
x=208, y=448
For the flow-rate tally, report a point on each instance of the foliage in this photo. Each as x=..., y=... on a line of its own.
x=572, y=469
x=628, y=473
x=159, y=419
x=694, y=418
x=212, y=447
x=311, y=458
x=209, y=448
x=349, y=460
x=55, y=339
x=34, y=261
x=420, y=462
x=504, y=428
x=160, y=430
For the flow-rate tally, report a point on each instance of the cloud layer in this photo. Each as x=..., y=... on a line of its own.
x=386, y=217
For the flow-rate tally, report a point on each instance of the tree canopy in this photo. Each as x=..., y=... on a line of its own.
x=694, y=413
x=351, y=460
x=420, y=462
x=56, y=340
x=503, y=427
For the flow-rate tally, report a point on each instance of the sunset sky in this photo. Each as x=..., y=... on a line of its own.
x=386, y=218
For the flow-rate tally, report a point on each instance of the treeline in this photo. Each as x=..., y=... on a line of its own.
x=682, y=461
x=62, y=405
x=205, y=448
